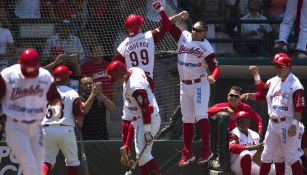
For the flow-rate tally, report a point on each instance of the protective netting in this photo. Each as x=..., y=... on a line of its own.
x=96, y=28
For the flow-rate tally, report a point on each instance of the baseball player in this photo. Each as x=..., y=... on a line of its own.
x=141, y=102
x=59, y=132
x=195, y=55
x=243, y=144
x=285, y=100
x=296, y=12
x=25, y=90
x=138, y=50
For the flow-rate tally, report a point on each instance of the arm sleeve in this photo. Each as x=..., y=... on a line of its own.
x=140, y=95
x=159, y=33
x=3, y=87
x=213, y=65
x=262, y=90
x=119, y=57
x=298, y=100
x=234, y=146
x=78, y=108
x=53, y=93
x=213, y=110
x=255, y=118
x=176, y=32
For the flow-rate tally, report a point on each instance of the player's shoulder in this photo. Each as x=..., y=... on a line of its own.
x=9, y=69
x=254, y=134
x=186, y=34
x=68, y=90
x=206, y=46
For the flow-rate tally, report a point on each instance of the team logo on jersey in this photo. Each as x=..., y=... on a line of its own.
x=194, y=51
x=22, y=92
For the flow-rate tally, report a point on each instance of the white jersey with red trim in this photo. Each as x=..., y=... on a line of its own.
x=68, y=96
x=191, y=56
x=25, y=98
x=139, y=51
x=246, y=140
x=137, y=80
x=279, y=96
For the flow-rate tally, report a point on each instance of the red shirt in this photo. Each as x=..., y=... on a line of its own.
x=98, y=73
x=240, y=107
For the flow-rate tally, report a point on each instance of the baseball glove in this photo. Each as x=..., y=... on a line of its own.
x=125, y=158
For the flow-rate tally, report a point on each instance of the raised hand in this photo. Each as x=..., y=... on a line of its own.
x=157, y=5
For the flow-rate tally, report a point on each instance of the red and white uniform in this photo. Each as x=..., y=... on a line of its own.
x=296, y=9
x=284, y=98
x=24, y=103
x=59, y=133
x=138, y=81
x=237, y=148
x=193, y=58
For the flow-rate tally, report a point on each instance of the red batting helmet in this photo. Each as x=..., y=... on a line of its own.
x=116, y=69
x=61, y=73
x=29, y=63
x=282, y=59
x=133, y=24
x=241, y=114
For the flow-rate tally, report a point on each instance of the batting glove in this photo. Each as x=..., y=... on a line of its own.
x=148, y=138
x=157, y=5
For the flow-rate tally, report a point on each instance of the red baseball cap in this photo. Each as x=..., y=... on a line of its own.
x=282, y=59
x=242, y=114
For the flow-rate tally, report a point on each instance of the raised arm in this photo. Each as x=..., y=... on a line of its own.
x=175, y=31
x=159, y=33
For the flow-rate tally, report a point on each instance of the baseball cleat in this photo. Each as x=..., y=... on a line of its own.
x=205, y=158
x=185, y=161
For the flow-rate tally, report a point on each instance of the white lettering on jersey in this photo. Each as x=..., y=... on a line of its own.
x=139, y=51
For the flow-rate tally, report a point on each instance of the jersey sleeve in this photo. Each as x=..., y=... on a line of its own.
x=140, y=95
x=255, y=117
x=53, y=93
x=3, y=87
x=298, y=100
x=262, y=90
x=159, y=33
x=213, y=65
x=234, y=146
x=176, y=32
x=78, y=107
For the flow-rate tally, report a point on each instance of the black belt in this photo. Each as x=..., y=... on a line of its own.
x=47, y=125
x=275, y=120
x=197, y=80
x=25, y=121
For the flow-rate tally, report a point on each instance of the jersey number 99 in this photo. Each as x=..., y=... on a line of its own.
x=135, y=60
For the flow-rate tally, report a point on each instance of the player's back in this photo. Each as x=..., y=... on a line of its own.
x=139, y=51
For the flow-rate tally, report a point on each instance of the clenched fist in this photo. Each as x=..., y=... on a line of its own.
x=157, y=5
x=148, y=138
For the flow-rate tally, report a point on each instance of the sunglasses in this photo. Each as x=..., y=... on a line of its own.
x=197, y=30
x=242, y=119
x=234, y=95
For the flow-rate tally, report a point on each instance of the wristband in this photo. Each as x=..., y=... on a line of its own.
x=257, y=77
x=147, y=128
x=294, y=122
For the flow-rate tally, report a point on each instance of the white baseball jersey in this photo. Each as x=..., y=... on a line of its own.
x=139, y=51
x=68, y=96
x=137, y=80
x=246, y=140
x=191, y=56
x=279, y=96
x=25, y=98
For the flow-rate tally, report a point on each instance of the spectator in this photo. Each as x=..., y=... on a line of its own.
x=254, y=31
x=63, y=38
x=295, y=12
x=27, y=9
x=7, y=46
x=225, y=48
x=67, y=9
x=96, y=67
x=237, y=8
x=95, y=106
x=223, y=117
